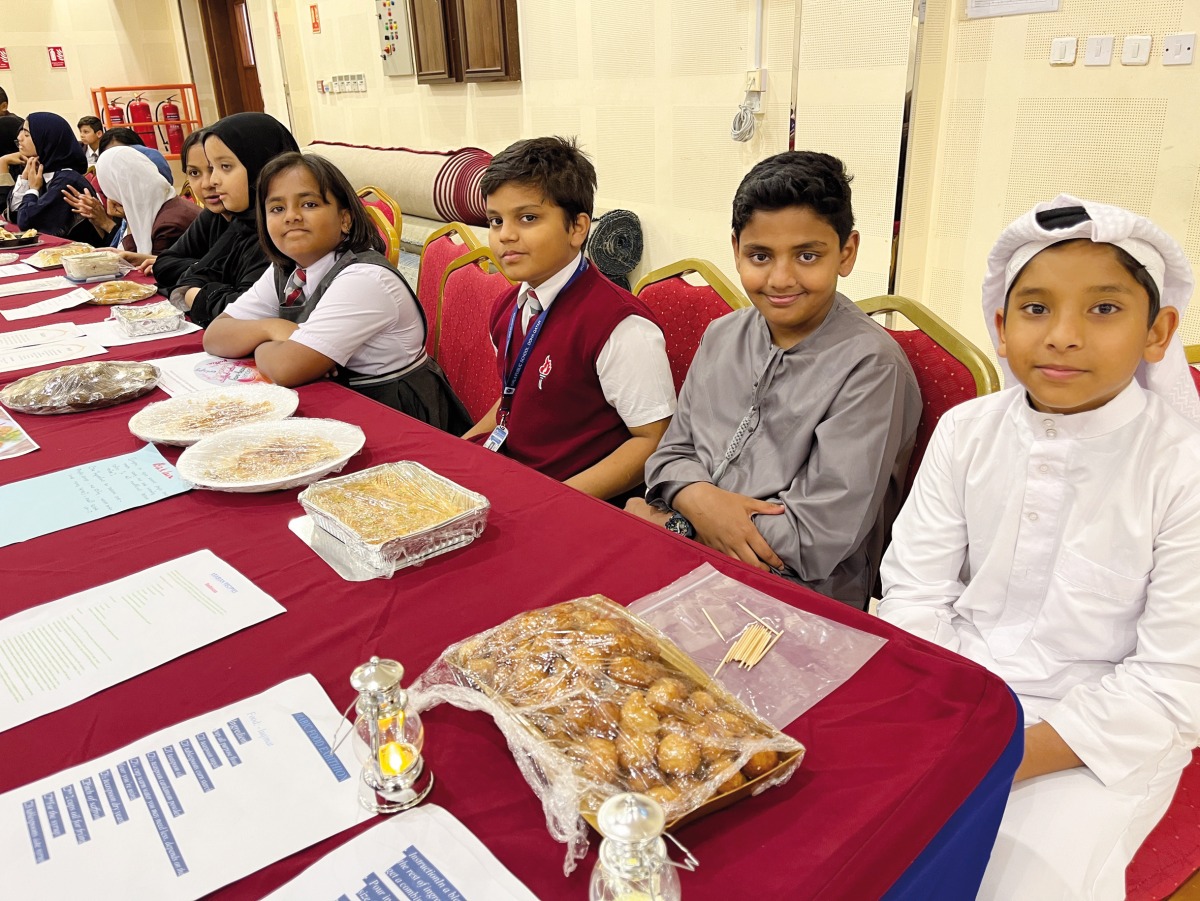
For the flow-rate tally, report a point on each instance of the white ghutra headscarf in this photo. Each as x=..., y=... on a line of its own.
x=1157, y=251
x=130, y=179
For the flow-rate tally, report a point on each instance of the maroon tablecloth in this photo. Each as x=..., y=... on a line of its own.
x=891, y=754
x=147, y=350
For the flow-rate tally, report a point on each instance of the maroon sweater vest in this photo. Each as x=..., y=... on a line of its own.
x=560, y=423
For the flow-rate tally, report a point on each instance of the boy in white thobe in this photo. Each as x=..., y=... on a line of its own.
x=1053, y=535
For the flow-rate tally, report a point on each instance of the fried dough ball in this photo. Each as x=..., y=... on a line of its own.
x=762, y=762
x=576, y=715
x=678, y=756
x=636, y=751
x=733, y=783
x=636, y=715
x=665, y=795
x=667, y=694
x=606, y=720
x=702, y=700
x=730, y=722
x=645, y=778
x=602, y=761
x=482, y=669
x=632, y=671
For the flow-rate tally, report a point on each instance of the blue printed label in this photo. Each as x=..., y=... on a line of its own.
x=226, y=747
x=114, y=796
x=127, y=781
x=33, y=824
x=161, y=824
x=53, y=817
x=198, y=769
x=322, y=746
x=417, y=877
x=209, y=752
x=174, y=761
x=168, y=790
x=75, y=813
x=374, y=890
x=95, y=808
x=240, y=735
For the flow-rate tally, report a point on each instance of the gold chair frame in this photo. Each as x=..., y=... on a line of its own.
x=706, y=270
x=380, y=222
x=1193, y=353
x=453, y=228
x=980, y=367
x=480, y=255
x=398, y=217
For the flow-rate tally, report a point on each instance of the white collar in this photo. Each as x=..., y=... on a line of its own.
x=551, y=287
x=1118, y=412
x=318, y=270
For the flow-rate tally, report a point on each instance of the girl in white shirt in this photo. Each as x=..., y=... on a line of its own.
x=1053, y=533
x=331, y=304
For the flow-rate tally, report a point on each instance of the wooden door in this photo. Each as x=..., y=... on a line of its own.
x=487, y=33
x=231, y=56
x=435, y=40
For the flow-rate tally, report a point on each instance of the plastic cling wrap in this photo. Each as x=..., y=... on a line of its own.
x=270, y=456
x=593, y=701
x=812, y=657
x=53, y=256
x=82, y=267
x=396, y=515
x=79, y=387
x=184, y=420
x=111, y=293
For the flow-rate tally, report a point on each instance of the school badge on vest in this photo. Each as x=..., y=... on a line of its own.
x=544, y=370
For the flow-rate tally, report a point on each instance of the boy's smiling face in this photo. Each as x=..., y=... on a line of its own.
x=528, y=233
x=789, y=261
x=1077, y=327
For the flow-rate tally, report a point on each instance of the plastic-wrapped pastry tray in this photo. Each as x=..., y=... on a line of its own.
x=270, y=456
x=113, y=293
x=397, y=514
x=52, y=257
x=184, y=420
x=91, y=267
x=80, y=387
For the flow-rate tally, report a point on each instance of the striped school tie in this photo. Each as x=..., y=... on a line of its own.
x=533, y=307
x=297, y=292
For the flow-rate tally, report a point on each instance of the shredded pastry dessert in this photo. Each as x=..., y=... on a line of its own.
x=384, y=504
x=269, y=459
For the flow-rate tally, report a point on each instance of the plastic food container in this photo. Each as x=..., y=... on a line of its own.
x=92, y=267
x=396, y=515
x=150, y=319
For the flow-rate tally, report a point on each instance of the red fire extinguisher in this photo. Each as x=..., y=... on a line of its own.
x=168, y=112
x=116, y=115
x=139, y=111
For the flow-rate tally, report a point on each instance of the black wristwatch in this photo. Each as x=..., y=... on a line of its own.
x=680, y=526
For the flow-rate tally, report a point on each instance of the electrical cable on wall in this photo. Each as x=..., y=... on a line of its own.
x=743, y=126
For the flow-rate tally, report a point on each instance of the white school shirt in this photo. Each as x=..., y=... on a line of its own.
x=633, y=369
x=1062, y=552
x=368, y=319
x=21, y=187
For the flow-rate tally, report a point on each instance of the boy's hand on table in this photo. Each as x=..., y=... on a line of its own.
x=638, y=507
x=722, y=520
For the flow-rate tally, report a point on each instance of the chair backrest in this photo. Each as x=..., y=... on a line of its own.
x=684, y=310
x=1170, y=855
x=441, y=249
x=187, y=193
x=391, y=238
x=949, y=369
x=1193, y=358
x=379, y=199
x=464, y=350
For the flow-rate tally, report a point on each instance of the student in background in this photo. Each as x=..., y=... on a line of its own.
x=597, y=394
x=95, y=207
x=154, y=217
x=237, y=148
x=791, y=443
x=173, y=264
x=1052, y=536
x=90, y=131
x=332, y=304
x=11, y=161
x=54, y=162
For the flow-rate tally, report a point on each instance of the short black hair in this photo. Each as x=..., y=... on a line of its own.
x=555, y=166
x=334, y=187
x=801, y=178
x=91, y=122
x=125, y=137
x=193, y=138
x=1137, y=271
x=3, y=96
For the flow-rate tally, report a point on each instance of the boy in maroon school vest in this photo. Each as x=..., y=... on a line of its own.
x=587, y=387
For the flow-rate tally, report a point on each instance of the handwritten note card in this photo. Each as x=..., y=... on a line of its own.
x=69, y=497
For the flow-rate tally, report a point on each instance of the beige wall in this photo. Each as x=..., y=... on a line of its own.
x=997, y=129
x=650, y=88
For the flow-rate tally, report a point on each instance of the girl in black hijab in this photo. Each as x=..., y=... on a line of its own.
x=54, y=160
x=237, y=148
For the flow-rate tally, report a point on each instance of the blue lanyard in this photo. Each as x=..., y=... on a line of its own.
x=513, y=373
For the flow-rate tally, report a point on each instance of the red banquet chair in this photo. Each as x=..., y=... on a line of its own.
x=949, y=369
x=441, y=248
x=684, y=310
x=378, y=199
x=1170, y=855
x=469, y=290
x=1193, y=358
